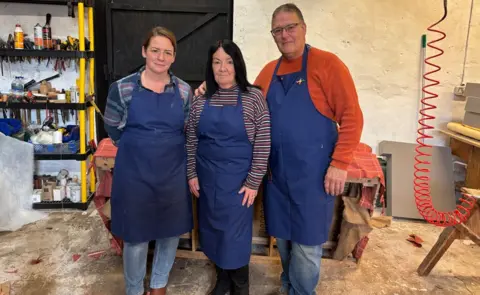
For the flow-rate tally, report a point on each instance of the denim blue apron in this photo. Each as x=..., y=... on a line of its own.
x=297, y=208
x=224, y=157
x=150, y=196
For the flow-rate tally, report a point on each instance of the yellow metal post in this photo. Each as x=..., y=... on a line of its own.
x=91, y=84
x=81, y=113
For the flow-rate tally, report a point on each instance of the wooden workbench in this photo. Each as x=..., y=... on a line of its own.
x=263, y=249
x=468, y=149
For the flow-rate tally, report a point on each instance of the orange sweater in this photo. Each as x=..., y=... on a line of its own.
x=333, y=94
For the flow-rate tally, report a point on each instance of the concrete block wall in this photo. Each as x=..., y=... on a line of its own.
x=380, y=43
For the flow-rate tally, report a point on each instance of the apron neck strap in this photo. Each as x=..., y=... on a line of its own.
x=304, y=61
x=177, y=91
x=239, y=97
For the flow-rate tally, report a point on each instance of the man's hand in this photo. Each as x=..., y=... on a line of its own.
x=335, y=181
x=249, y=196
x=194, y=186
x=201, y=89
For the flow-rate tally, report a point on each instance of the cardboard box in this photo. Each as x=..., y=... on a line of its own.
x=472, y=89
x=472, y=112
x=37, y=196
x=47, y=193
x=473, y=104
x=104, y=163
x=50, y=183
x=472, y=119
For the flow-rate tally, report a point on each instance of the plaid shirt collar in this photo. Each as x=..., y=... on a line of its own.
x=138, y=75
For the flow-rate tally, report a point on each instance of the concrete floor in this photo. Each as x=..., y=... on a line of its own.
x=388, y=266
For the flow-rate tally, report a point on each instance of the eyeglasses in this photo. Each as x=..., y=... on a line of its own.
x=288, y=28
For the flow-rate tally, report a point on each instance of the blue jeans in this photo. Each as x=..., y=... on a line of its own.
x=301, y=267
x=135, y=264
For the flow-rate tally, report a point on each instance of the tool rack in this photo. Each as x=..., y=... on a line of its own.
x=85, y=154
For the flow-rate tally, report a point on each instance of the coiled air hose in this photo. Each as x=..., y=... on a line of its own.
x=423, y=198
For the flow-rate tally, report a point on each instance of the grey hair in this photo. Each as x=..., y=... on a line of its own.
x=288, y=7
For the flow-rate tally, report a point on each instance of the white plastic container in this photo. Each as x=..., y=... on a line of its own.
x=73, y=193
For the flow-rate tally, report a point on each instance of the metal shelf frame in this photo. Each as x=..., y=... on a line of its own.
x=83, y=108
x=44, y=105
x=50, y=53
x=86, y=3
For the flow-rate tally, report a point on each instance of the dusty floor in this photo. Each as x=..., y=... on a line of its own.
x=388, y=266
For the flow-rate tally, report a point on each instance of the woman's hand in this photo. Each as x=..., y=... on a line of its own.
x=249, y=196
x=201, y=89
x=194, y=186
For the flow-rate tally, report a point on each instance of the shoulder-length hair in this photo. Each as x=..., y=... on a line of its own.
x=238, y=62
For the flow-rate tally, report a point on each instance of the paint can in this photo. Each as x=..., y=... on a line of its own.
x=73, y=193
x=38, y=36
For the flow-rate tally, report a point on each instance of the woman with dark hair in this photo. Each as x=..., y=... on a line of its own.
x=145, y=116
x=228, y=145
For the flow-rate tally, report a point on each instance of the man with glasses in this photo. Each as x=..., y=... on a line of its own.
x=316, y=124
x=308, y=92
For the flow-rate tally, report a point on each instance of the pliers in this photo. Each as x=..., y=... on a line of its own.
x=59, y=65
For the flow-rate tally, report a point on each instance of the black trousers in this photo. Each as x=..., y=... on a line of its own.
x=234, y=280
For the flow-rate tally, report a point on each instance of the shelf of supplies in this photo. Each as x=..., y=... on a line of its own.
x=63, y=204
x=45, y=53
x=44, y=105
x=77, y=157
x=51, y=2
x=88, y=3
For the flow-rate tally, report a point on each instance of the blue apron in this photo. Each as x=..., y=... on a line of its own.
x=150, y=196
x=224, y=157
x=297, y=208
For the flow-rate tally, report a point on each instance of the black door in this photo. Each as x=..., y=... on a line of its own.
x=196, y=23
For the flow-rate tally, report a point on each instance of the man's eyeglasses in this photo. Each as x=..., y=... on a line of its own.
x=288, y=28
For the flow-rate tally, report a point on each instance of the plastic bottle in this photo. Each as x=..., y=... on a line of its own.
x=18, y=37
x=18, y=87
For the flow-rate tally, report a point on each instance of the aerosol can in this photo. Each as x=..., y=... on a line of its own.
x=38, y=36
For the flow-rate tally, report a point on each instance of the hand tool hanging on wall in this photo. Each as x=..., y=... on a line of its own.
x=32, y=83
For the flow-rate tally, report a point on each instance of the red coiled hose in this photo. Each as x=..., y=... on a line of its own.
x=423, y=199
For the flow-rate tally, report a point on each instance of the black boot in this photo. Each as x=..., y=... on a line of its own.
x=223, y=282
x=239, y=281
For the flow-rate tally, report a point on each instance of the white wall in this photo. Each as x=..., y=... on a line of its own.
x=28, y=15
x=380, y=42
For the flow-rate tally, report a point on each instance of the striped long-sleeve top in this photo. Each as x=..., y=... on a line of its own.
x=120, y=95
x=257, y=124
